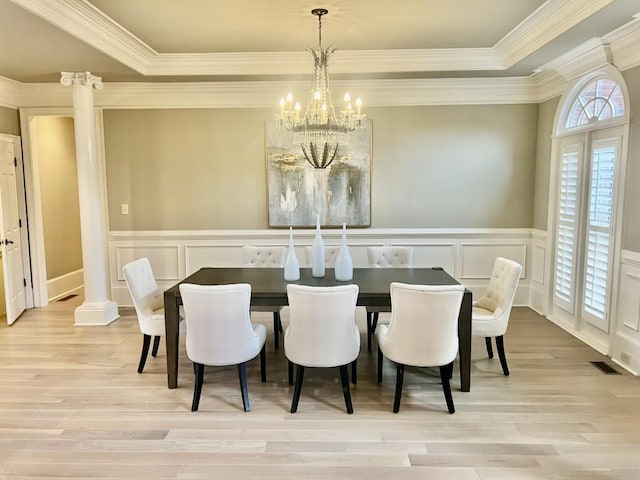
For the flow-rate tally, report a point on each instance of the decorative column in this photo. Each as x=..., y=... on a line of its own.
x=97, y=309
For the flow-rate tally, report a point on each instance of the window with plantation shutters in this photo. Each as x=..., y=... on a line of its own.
x=567, y=231
x=599, y=231
x=589, y=151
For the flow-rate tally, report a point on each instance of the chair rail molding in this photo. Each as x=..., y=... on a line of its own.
x=467, y=254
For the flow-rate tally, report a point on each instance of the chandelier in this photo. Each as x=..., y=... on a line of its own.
x=319, y=130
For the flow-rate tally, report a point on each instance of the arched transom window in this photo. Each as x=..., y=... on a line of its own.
x=600, y=100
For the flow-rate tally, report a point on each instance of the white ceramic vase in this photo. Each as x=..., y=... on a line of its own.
x=344, y=262
x=317, y=252
x=291, y=264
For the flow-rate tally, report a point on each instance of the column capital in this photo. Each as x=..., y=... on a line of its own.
x=80, y=78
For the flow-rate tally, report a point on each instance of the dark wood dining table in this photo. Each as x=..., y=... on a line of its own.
x=269, y=288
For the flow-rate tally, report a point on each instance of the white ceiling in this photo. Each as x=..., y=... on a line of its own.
x=207, y=40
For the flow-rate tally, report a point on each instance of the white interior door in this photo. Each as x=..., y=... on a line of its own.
x=14, y=280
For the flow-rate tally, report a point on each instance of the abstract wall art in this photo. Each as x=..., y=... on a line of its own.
x=340, y=193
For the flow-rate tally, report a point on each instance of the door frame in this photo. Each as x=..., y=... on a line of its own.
x=34, y=200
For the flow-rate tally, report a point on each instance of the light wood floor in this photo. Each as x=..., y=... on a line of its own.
x=72, y=405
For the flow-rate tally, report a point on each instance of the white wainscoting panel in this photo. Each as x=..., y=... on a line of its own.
x=435, y=255
x=538, y=289
x=164, y=260
x=176, y=254
x=477, y=259
x=626, y=342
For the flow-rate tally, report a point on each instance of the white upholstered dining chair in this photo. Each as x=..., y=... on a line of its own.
x=266, y=257
x=148, y=302
x=220, y=332
x=394, y=256
x=491, y=312
x=330, y=254
x=322, y=332
x=423, y=332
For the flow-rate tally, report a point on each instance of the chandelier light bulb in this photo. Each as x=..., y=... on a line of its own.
x=347, y=97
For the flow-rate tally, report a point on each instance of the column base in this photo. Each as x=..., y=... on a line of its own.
x=91, y=314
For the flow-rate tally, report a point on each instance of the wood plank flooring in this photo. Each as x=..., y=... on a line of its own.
x=72, y=405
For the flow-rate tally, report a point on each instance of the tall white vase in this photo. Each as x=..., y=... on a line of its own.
x=291, y=264
x=344, y=262
x=317, y=252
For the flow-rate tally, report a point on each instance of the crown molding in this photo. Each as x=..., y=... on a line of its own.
x=82, y=20
x=625, y=44
x=592, y=54
x=9, y=91
x=550, y=84
x=417, y=60
x=44, y=95
x=550, y=20
x=342, y=61
x=87, y=23
x=265, y=94
x=381, y=93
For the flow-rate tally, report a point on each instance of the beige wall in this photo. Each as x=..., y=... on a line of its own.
x=9, y=121
x=631, y=228
x=546, y=116
x=438, y=166
x=59, y=192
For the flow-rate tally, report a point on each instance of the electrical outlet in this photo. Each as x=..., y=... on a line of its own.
x=625, y=357
x=124, y=208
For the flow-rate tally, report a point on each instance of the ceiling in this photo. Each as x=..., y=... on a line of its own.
x=235, y=40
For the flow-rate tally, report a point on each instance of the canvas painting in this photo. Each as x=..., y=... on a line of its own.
x=298, y=192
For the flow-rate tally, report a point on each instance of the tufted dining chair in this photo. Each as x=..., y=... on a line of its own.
x=322, y=332
x=330, y=254
x=266, y=257
x=491, y=312
x=220, y=332
x=423, y=332
x=148, y=301
x=385, y=257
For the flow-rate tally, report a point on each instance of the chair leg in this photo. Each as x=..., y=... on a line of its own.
x=198, y=369
x=399, y=380
x=379, y=365
x=156, y=344
x=375, y=322
x=263, y=364
x=290, y=371
x=344, y=380
x=277, y=328
x=503, y=358
x=146, y=341
x=354, y=371
x=487, y=340
x=298, y=388
x=242, y=376
x=445, y=376
x=369, y=333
